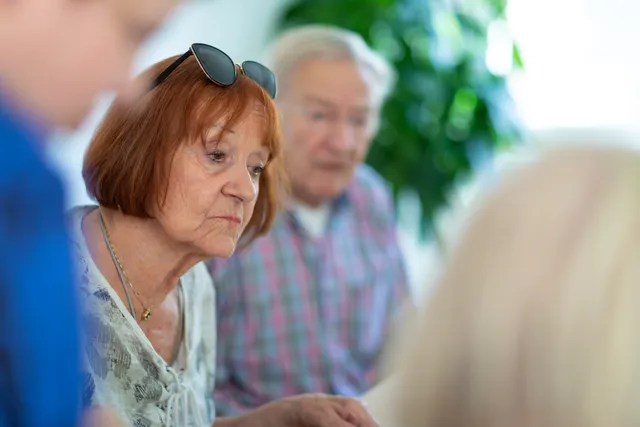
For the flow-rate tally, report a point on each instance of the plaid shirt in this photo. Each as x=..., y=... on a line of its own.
x=297, y=314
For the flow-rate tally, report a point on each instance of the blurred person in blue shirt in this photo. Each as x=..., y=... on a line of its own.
x=55, y=57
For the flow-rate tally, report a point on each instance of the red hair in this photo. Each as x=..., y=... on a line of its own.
x=127, y=165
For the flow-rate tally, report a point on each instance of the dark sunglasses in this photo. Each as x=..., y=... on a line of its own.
x=221, y=69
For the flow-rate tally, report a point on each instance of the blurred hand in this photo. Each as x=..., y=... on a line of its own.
x=311, y=410
x=100, y=417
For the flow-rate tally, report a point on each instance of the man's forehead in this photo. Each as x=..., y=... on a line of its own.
x=331, y=81
x=362, y=104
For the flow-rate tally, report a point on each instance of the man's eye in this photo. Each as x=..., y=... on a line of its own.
x=358, y=121
x=317, y=115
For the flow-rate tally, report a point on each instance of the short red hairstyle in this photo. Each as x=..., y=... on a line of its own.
x=127, y=165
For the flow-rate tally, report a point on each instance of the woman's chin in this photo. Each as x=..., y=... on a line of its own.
x=223, y=248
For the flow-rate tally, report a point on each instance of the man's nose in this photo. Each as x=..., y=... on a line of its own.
x=342, y=137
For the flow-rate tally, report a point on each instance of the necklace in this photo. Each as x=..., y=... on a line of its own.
x=146, y=310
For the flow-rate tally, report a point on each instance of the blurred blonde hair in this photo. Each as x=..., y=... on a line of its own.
x=536, y=319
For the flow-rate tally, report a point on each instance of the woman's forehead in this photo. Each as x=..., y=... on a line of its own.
x=235, y=133
x=249, y=120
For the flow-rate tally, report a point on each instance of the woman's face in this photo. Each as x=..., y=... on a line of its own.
x=213, y=188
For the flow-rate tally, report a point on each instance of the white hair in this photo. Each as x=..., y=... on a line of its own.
x=323, y=41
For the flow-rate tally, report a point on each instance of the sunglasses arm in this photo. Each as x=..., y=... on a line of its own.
x=163, y=75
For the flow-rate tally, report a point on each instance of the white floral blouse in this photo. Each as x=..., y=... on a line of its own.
x=123, y=371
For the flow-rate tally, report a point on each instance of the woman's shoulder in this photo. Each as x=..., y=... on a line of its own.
x=74, y=218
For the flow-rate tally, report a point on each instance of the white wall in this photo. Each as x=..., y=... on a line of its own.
x=582, y=62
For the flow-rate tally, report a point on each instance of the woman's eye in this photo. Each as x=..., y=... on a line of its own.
x=217, y=156
x=256, y=171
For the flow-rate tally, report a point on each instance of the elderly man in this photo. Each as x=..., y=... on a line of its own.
x=307, y=307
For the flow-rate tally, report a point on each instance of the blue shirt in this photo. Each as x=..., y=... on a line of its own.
x=39, y=340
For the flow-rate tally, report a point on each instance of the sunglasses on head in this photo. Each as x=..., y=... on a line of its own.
x=221, y=70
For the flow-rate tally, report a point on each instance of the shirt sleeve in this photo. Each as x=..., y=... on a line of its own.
x=39, y=341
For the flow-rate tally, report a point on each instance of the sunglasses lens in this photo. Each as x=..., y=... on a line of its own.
x=216, y=64
x=262, y=75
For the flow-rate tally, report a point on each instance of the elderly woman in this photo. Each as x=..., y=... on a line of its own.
x=535, y=319
x=185, y=175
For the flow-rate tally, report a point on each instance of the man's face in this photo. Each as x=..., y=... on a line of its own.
x=65, y=52
x=328, y=120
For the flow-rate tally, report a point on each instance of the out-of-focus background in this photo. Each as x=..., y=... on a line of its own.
x=479, y=82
